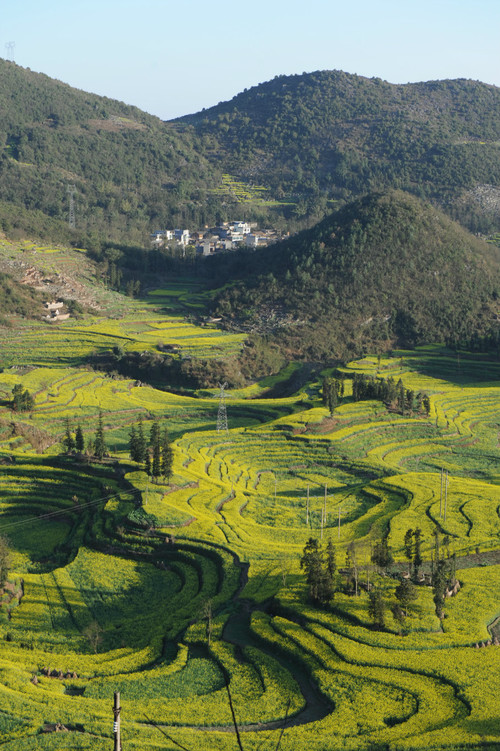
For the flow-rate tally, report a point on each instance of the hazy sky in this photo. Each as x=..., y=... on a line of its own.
x=173, y=58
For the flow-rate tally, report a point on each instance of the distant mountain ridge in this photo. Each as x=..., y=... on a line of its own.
x=313, y=141
x=333, y=135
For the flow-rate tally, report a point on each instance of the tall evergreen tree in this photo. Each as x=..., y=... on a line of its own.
x=167, y=455
x=155, y=443
x=100, y=448
x=132, y=444
x=141, y=442
x=406, y=593
x=408, y=546
x=79, y=440
x=331, y=560
x=311, y=562
x=376, y=609
x=68, y=440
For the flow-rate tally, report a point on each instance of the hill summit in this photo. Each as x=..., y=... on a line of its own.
x=385, y=267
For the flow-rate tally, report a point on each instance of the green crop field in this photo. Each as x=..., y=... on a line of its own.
x=210, y=588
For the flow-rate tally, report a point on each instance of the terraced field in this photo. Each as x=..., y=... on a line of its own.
x=209, y=588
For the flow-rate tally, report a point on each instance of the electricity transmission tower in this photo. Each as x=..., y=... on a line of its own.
x=9, y=48
x=71, y=193
x=222, y=413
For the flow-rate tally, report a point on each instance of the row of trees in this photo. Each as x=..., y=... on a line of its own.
x=75, y=441
x=390, y=392
x=154, y=452
x=366, y=387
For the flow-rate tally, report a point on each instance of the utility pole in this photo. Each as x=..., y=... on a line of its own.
x=307, y=507
x=222, y=413
x=116, y=724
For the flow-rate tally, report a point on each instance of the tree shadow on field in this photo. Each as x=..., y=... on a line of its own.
x=467, y=370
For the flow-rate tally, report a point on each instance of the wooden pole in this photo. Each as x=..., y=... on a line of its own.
x=116, y=724
x=307, y=507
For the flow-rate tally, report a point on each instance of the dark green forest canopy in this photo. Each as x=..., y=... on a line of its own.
x=132, y=172
x=385, y=266
x=332, y=135
x=313, y=141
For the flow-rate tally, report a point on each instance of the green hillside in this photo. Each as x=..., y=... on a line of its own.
x=332, y=135
x=384, y=267
x=285, y=152
x=132, y=172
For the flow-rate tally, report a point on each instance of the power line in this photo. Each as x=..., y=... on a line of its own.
x=76, y=507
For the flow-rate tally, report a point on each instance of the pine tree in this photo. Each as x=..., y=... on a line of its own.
x=68, y=440
x=154, y=442
x=439, y=582
x=406, y=593
x=318, y=577
x=398, y=615
x=100, y=448
x=376, y=609
x=79, y=440
x=408, y=546
x=167, y=455
x=141, y=442
x=382, y=555
x=311, y=562
x=132, y=444
x=331, y=561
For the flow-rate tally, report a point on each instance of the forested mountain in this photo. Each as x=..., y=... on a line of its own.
x=132, y=172
x=385, y=268
x=333, y=135
x=288, y=151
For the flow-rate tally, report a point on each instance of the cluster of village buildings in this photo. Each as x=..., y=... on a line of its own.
x=227, y=236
